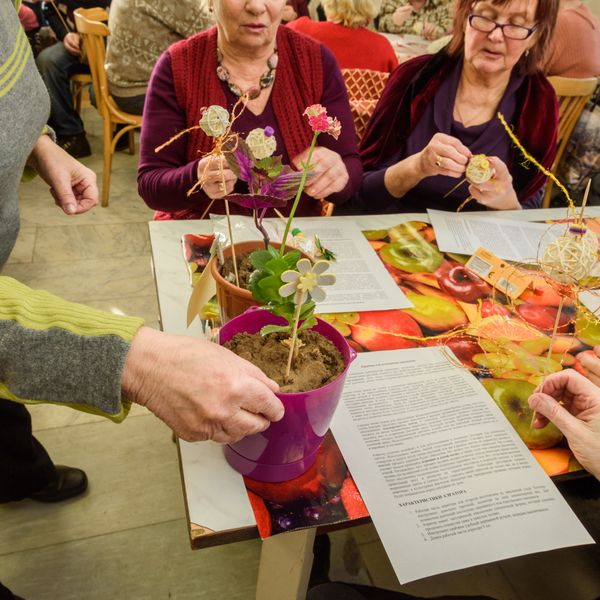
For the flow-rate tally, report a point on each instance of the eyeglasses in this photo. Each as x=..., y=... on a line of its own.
x=512, y=32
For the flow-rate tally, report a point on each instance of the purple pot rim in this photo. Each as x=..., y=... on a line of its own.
x=347, y=361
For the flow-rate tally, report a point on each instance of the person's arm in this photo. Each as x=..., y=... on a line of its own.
x=54, y=351
x=335, y=100
x=165, y=177
x=386, y=15
x=572, y=403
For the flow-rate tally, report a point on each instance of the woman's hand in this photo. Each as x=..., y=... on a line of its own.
x=401, y=14
x=572, y=403
x=213, y=171
x=72, y=43
x=430, y=31
x=590, y=362
x=72, y=185
x=444, y=155
x=331, y=173
x=497, y=193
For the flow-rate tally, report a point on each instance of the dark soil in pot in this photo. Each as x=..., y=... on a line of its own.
x=245, y=270
x=318, y=361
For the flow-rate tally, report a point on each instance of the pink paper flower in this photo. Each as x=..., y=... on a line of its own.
x=320, y=123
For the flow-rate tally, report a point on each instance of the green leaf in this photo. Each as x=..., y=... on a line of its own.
x=274, y=329
x=291, y=258
x=307, y=323
x=259, y=258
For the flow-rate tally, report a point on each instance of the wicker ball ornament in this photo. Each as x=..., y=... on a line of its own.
x=479, y=170
x=214, y=121
x=262, y=143
x=572, y=256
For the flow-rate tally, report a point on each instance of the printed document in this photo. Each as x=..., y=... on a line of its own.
x=447, y=480
x=463, y=233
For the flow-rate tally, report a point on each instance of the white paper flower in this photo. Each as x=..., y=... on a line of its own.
x=214, y=121
x=261, y=144
x=306, y=280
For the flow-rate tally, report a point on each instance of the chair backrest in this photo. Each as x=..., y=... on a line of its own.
x=573, y=95
x=94, y=33
x=364, y=88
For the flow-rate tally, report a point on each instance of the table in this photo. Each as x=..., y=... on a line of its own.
x=217, y=505
x=407, y=46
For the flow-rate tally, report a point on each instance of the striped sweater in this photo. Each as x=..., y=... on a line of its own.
x=50, y=350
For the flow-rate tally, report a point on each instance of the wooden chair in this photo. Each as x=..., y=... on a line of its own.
x=364, y=88
x=79, y=81
x=573, y=95
x=94, y=32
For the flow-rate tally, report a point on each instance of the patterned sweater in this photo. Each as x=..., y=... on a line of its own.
x=140, y=31
x=436, y=12
x=50, y=350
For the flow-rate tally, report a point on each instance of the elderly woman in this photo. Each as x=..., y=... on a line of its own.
x=281, y=71
x=430, y=19
x=345, y=33
x=438, y=111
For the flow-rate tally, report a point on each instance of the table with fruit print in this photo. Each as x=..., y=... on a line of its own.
x=218, y=503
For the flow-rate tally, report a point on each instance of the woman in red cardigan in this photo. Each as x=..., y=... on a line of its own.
x=345, y=33
x=247, y=52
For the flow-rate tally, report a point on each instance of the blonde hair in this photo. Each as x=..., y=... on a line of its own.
x=351, y=13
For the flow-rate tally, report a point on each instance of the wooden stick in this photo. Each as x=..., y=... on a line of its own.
x=455, y=187
x=294, y=336
x=464, y=203
x=235, y=269
x=584, y=201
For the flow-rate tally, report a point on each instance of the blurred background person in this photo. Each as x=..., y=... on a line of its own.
x=430, y=19
x=140, y=31
x=56, y=65
x=575, y=46
x=347, y=35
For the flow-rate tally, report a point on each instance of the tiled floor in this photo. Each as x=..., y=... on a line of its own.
x=126, y=538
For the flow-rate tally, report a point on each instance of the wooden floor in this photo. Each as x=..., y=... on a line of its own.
x=126, y=538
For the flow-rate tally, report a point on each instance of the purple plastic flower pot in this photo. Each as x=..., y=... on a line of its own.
x=286, y=449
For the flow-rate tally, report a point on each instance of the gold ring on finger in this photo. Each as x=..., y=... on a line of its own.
x=438, y=160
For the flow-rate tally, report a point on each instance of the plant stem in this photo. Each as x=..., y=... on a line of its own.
x=258, y=222
x=235, y=270
x=294, y=337
x=298, y=193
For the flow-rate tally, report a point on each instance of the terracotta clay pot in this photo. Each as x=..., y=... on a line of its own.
x=234, y=300
x=288, y=448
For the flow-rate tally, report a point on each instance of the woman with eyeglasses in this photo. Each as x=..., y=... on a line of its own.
x=437, y=111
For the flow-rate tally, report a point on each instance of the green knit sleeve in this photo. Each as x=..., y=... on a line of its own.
x=54, y=351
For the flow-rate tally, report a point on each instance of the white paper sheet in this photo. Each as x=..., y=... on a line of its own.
x=463, y=233
x=362, y=282
x=448, y=482
x=591, y=300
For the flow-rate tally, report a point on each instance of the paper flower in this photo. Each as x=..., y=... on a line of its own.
x=320, y=123
x=306, y=280
x=262, y=142
x=214, y=121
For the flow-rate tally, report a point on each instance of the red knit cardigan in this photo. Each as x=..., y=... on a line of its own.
x=298, y=84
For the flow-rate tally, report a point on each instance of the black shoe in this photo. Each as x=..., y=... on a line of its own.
x=69, y=482
x=123, y=143
x=76, y=145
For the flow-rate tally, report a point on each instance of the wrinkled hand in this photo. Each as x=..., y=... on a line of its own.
x=590, y=362
x=497, y=193
x=72, y=185
x=331, y=173
x=199, y=389
x=572, y=403
x=444, y=155
x=213, y=170
x=72, y=43
x=401, y=14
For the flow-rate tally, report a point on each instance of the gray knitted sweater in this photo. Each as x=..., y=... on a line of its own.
x=50, y=350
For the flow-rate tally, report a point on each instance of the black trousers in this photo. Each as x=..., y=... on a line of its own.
x=346, y=591
x=25, y=466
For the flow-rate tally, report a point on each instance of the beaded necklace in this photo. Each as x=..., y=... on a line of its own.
x=265, y=81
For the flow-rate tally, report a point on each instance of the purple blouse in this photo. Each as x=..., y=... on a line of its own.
x=164, y=177
x=487, y=138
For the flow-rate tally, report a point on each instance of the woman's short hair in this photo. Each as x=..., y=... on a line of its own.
x=545, y=18
x=351, y=13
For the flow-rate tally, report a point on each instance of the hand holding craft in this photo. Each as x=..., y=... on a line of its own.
x=331, y=173
x=491, y=184
x=444, y=155
x=214, y=171
x=572, y=403
x=589, y=361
